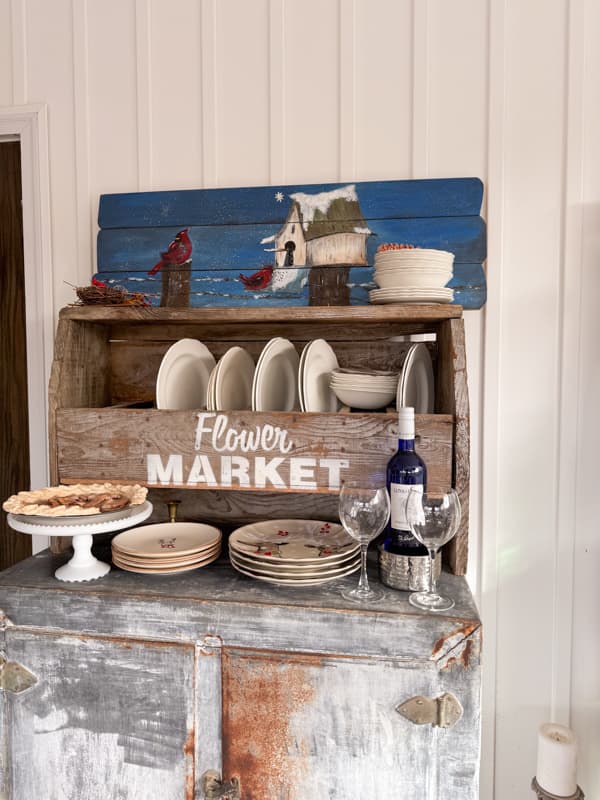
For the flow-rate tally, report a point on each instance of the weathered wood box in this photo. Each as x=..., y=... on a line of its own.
x=103, y=425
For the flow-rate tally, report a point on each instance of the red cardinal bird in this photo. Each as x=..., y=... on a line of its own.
x=178, y=252
x=259, y=280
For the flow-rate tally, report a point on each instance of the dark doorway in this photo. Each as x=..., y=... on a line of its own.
x=14, y=418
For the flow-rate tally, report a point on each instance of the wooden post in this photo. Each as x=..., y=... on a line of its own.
x=328, y=286
x=176, y=285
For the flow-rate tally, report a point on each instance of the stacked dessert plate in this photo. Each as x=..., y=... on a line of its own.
x=167, y=547
x=294, y=552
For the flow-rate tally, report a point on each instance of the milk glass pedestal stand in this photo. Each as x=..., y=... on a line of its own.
x=83, y=566
x=542, y=794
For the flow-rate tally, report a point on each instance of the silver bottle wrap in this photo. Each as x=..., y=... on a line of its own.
x=408, y=573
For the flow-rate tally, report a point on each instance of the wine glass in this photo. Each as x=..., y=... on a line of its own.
x=364, y=513
x=433, y=519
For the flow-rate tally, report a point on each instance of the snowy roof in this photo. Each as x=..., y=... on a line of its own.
x=325, y=213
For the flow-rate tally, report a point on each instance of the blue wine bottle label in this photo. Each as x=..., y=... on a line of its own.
x=398, y=496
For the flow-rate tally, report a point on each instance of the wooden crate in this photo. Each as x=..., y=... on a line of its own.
x=106, y=361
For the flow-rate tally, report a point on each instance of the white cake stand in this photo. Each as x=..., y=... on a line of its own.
x=83, y=566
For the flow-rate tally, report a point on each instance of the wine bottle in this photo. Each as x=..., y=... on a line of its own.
x=405, y=471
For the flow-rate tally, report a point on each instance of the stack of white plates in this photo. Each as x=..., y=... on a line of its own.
x=165, y=548
x=317, y=362
x=412, y=275
x=416, y=386
x=183, y=376
x=294, y=552
x=366, y=389
x=275, y=383
x=230, y=382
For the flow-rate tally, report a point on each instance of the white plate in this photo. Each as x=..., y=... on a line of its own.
x=210, y=390
x=411, y=295
x=275, y=386
x=319, y=361
x=174, y=538
x=164, y=570
x=158, y=563
x=286, y=570
x=300, y=379
x=416, y=385
x=183, y=375
x=294, y=581
x=233, y=380
x=294, y=540
x=258, y=367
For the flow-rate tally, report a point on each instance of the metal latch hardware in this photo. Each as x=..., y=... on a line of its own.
x=443, y=711
x=14, y=677
x=215, y=788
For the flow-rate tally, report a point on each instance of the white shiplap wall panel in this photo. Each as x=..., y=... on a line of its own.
x=312, y=80
x=112, y=66
x=49, y=30
x=383, y=91
x=456, y=144
x=176, y=94
x=242, y=86
x=585, y=693
x=529, y=384
x=6, y=54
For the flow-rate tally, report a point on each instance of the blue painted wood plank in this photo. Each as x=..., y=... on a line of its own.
x=210, y=288
x=269, y=204
x=239, y=246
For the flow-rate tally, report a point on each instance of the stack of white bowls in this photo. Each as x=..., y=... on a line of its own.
x=367, y=389
x=412, y=274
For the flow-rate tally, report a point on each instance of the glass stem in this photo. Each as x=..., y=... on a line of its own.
x=432, y=581
x=363, y=583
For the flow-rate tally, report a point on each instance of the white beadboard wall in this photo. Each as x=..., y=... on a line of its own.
x=160, y=94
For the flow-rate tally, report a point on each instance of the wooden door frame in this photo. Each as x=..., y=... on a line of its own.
x=29, y=124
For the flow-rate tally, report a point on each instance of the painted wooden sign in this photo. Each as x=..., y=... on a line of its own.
x=291, y=452
x=285, y=245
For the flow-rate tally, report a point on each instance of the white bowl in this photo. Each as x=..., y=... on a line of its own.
x=363, y=398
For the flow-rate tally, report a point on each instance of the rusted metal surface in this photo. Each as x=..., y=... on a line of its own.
x=260, y=697
x=455, y=648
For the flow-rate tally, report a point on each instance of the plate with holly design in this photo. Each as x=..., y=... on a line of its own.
x=292, y=541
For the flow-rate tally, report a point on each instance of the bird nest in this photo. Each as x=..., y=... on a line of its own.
x=101, y=295
x=109, y=296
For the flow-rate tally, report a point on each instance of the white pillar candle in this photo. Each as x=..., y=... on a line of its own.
x=557, y=760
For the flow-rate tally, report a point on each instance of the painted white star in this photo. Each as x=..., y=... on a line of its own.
x=279, y=197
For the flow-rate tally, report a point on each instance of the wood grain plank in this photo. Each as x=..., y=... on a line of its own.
x=412, y=198
x=234, y=247
x=413, y=313
x=316, y=449
x=454, y=398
